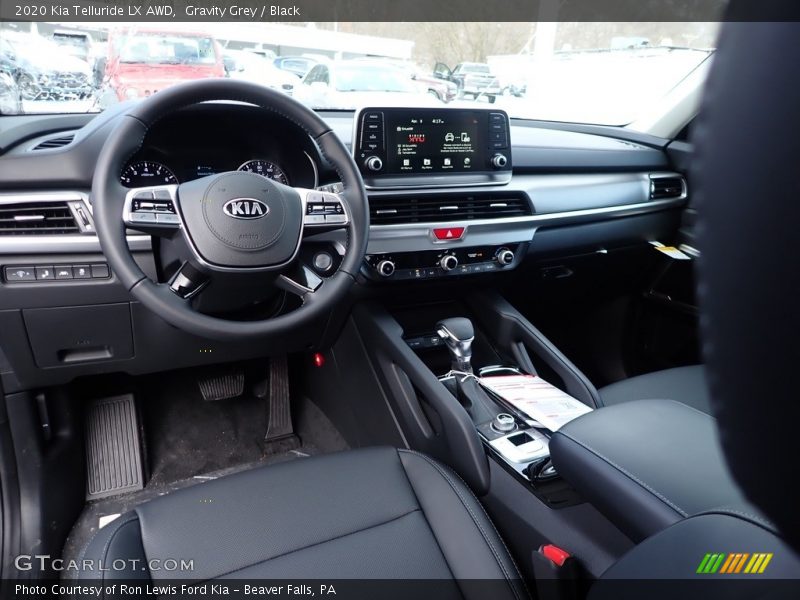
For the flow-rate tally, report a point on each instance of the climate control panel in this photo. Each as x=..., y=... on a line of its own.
x=447, y=262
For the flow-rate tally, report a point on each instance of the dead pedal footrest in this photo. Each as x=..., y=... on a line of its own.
x=113, y=448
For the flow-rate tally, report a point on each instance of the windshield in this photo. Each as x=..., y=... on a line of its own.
x=603, y=73
x=373, y=78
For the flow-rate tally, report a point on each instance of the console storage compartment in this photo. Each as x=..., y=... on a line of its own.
x=646, y=464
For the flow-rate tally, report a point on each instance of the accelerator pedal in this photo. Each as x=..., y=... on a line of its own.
x=113, y=448
x=280, y=434
x=222, y=386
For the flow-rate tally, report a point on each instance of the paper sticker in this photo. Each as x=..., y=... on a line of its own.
x=537, y=398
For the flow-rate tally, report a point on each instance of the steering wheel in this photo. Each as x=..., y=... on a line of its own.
x=233, y=223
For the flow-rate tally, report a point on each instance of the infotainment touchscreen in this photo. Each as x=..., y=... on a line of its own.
x=396, y=146
x=442, y=142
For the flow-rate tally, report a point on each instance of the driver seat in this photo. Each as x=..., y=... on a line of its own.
x=372, y=513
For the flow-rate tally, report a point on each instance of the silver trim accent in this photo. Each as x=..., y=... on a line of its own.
x=87, y=243
x=227, y=208
x=409, y=237
x=314, y=167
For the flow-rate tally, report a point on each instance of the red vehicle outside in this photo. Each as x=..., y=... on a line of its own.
x=143, y=61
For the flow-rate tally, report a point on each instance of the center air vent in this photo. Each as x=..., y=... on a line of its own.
x=55, y=142
x=37, y=218
x=662, y=188
x=388, y=210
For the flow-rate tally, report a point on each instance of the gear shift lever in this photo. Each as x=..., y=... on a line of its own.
x=458, y=334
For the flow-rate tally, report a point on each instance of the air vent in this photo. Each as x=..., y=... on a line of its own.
x=55, y=142
x=37, y=218
x=388, y=210
x=662, y=188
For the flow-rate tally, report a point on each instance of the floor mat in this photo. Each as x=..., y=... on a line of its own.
x=187, y=436
x=191, y=441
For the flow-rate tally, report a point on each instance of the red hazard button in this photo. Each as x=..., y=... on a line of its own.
x=448, y=233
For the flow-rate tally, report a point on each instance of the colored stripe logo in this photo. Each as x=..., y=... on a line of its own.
x=734, y=562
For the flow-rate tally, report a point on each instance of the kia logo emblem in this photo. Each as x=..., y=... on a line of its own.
x=245, y=208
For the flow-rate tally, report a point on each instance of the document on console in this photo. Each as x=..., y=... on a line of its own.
x=540, y=400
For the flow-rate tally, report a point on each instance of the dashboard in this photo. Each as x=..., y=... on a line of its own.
x=570, y=189
x=176, y=150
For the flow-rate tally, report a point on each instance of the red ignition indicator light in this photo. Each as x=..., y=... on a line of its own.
x=449, y=233
x=319, y=359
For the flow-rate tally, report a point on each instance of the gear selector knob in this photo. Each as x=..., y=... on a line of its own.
x=458, y=334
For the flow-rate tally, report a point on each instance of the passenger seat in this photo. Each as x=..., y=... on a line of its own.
x=684, y=384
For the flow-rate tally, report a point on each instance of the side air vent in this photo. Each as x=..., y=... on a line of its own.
x=662, y=188
x=389, y=210
x=54, y=142
x=37, y=218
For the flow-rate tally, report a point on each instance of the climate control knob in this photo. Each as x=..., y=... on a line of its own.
x=504, y=256
x=448, y=262
x=499, y=161
x=386, y=268
x=374, y=163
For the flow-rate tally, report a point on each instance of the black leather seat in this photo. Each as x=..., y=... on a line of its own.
x=374, y=513
x=683, y=384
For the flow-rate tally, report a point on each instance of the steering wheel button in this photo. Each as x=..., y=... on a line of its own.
x=143, y=195
x=143, y=217
x=314, y=220
x=335, y=219
x=167, y=219
x=162, y=195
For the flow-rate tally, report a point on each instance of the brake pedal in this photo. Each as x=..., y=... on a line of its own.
x=113, y=448
x=222, y=387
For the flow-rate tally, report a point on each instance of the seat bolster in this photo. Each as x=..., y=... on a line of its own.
x=468, y=539
x=116, y=552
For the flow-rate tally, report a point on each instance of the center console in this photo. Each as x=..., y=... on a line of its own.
x=419, y=232
x=429, y=369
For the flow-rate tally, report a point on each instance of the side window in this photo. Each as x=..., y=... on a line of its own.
x=324, y=75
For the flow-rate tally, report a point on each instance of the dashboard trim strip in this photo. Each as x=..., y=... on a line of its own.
x=408, y=237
